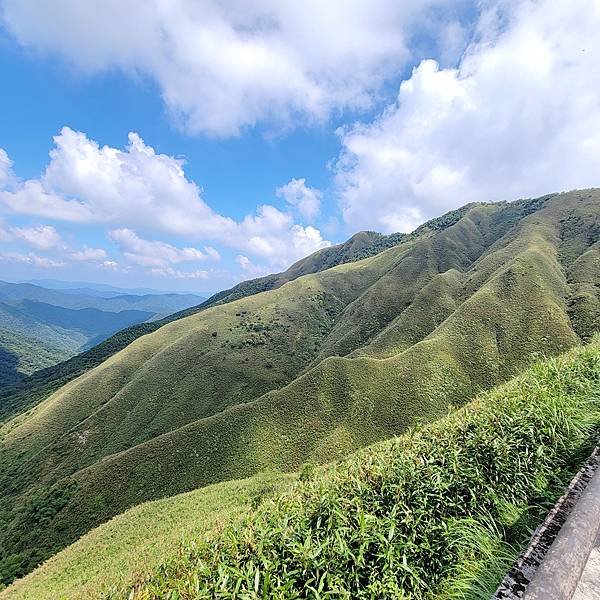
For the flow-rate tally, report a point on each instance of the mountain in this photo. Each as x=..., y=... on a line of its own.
x=40, y=327
x=160, y=304
x=25, y=393
x=101, y=289
x=35, y=335
x=309, y=370
x=341, y=516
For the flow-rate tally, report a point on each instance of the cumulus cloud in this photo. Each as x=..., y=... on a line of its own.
x=224, y=65
x=518, y=117
x=154, y=253
x=89, y=254
x=305, y=199
x=141, y=190
x=32, y=259
x=42, y=237
x=176, y=274
x=84, y=182
x=271, y=234
x=110, y=265
x=249, y=269
x=7, y=177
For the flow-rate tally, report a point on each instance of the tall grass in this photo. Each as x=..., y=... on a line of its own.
x=430, y=514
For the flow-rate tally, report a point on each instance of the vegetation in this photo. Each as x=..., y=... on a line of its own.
x=436, y=513
x=406, y=517
x=310, y=371
x=25, y=393
x=19, y=394
x=144, y=536
x=41, y=327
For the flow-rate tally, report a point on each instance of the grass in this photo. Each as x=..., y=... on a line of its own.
x=439, y=512
x=19, y=394
x=142, y=537
x=310, y=371
x=421, y=516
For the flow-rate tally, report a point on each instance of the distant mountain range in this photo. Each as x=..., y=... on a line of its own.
x=104, y=289
x=40, y=327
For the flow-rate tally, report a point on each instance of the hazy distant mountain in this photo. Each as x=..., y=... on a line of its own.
x=59, y=284
x=40, y=327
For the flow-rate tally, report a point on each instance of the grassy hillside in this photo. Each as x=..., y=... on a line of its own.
x=309, y=371
x=21, y=354
x=141, y=538
x=438, y=512
x=42, y=327
x=21, y=395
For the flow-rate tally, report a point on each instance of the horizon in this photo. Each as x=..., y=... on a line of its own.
x=239, y=141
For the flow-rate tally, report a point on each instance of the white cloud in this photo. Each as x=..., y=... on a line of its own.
x=110, y=264
x=141, y=190
x=243, y=261
x=519, y=117
x=224, y=65
x=272, y=235
x=212, y=253
x=176, y=274
x=87, y=183
x=153, y=253
x=249, y=269
x=42, y=237
x=32, y=259
x=306, y=199
x=7, y=176
x=89, y=254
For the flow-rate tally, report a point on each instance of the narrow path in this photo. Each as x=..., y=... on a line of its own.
x=562, y=561
x=589, y=584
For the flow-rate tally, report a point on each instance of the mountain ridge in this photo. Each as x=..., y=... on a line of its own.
x=336, y=360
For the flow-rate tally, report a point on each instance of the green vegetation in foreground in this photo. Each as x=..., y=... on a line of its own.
x=137, y=540
x=426, y=515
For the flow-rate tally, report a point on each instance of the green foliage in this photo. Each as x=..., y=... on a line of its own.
x=24, y=394
x=307, y=372
x=131, y=544
x=404, y=518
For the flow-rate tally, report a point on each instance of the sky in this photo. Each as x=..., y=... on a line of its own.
x=191, y=144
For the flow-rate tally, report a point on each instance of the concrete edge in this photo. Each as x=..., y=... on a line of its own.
x=558, y=575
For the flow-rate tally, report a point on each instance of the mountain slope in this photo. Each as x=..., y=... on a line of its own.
x=25, y=393
x=115, y=302
x=311, y=370
x=133, y=543
x=38, y=335
x=158, y=547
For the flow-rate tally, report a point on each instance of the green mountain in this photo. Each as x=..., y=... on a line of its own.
x=309, y=370
x=41, y=327
x=26, y=392
x=455, y=499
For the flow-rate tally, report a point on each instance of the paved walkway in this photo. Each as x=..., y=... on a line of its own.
x=589, y=584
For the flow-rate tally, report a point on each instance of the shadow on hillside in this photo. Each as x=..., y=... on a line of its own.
x=9, y=363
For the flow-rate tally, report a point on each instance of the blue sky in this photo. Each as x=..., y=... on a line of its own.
x=263, y=132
